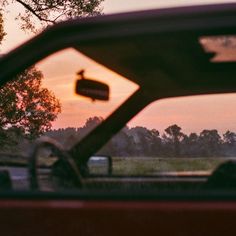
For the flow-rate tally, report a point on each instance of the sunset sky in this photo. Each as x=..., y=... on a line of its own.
x=192, y=114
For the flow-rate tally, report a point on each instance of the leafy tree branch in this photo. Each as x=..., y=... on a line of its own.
x=48, y=12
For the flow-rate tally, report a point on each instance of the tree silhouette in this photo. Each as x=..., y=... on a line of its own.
x=190, y=145
x=174, y=136
x=26, y=106
x=229, y=138
x=210, y=142
x=47, y=12
x=144, y=142
x=89, y=125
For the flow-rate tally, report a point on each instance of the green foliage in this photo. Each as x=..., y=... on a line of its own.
x=26, y=107
x=49, y=12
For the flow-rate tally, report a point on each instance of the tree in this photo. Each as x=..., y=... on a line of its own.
x=48, y=12
x=190, y=145
x=145, y=142
x=210, y=143
x=229, y=138
x=92, y=122
x=26, y=106
x=174, y=136
x=229, y=143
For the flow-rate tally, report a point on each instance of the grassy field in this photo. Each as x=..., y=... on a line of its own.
x=155, y=165
x=139, y=165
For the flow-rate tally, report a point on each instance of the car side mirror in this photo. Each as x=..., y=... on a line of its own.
x=91, y=88
x=100, y=165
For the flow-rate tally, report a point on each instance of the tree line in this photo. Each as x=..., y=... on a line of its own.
x=141, y=141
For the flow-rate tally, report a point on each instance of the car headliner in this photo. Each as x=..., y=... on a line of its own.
x=166, y=55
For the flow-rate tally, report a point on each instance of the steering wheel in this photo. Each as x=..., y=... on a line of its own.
x=64, y=171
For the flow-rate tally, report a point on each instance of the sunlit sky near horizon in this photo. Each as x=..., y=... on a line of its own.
x=191, y=115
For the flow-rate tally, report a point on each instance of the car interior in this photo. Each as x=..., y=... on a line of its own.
x=111, y=153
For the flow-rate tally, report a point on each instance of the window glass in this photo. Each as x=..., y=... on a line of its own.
x=188, y=136
x=181, y=143
x=41, y=104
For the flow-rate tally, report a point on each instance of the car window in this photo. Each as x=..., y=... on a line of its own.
x=57, y=115
x=175, y=143
x=41, y=103
x=187, y=136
